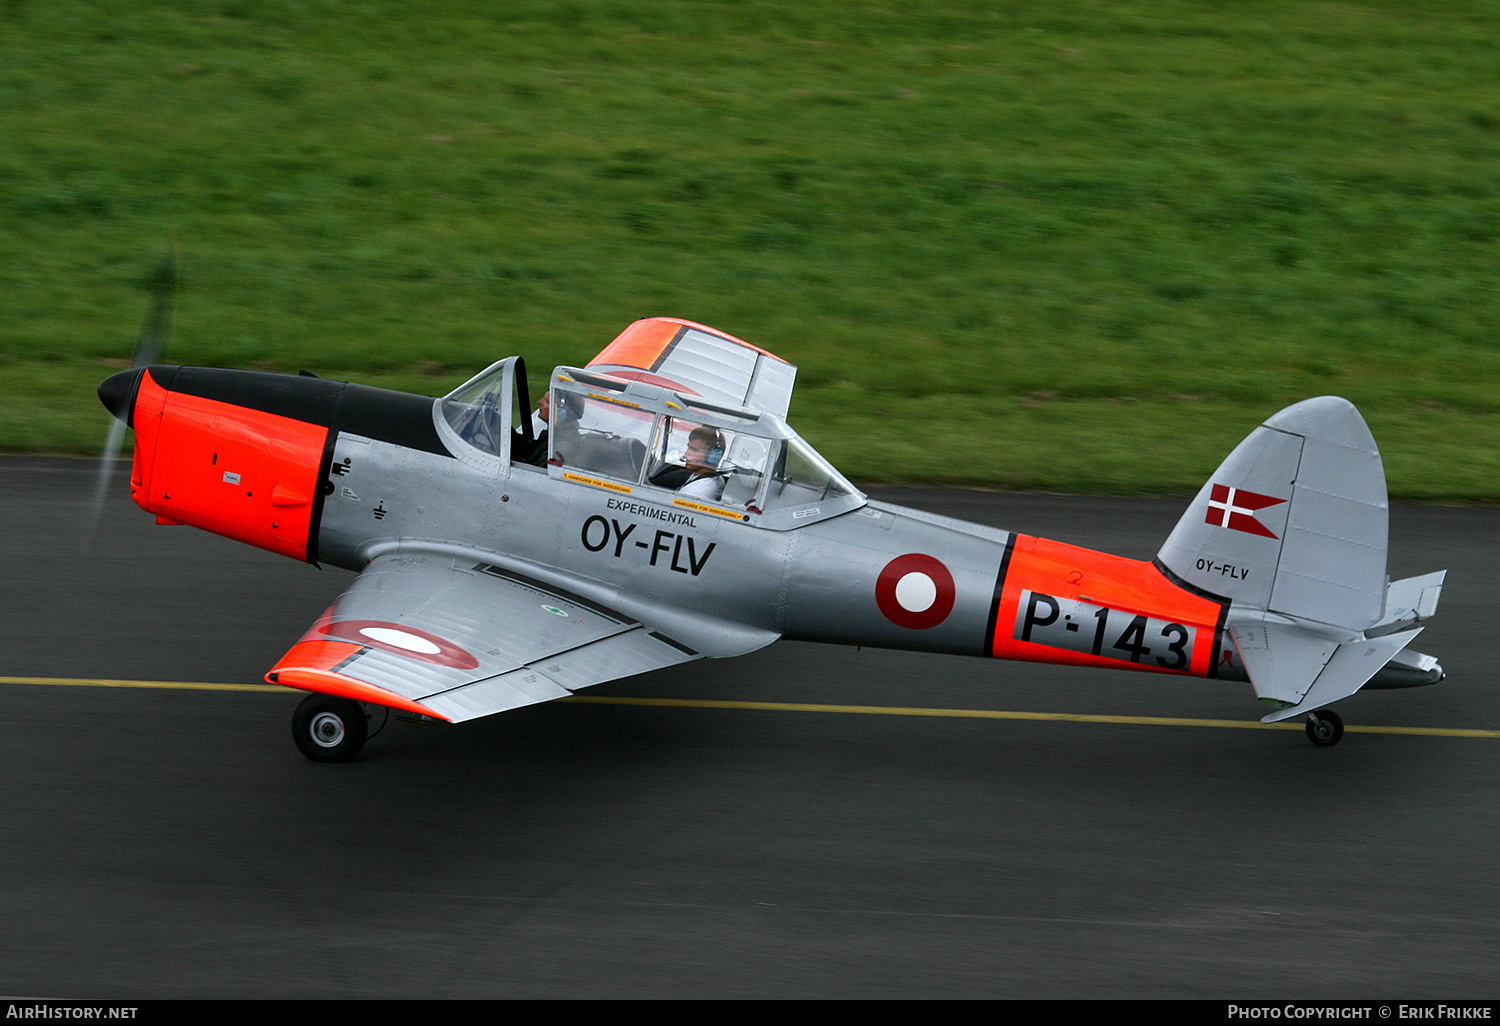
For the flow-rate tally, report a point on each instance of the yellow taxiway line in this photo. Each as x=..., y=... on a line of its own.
x=173, y=685
x=997, y=714
x=868, y=710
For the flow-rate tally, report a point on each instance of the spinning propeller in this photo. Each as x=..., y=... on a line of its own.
x=118, y=391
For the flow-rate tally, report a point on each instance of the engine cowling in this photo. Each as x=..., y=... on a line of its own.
x=237, y=453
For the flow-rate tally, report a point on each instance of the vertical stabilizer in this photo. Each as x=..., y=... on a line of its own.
x=1294, y=521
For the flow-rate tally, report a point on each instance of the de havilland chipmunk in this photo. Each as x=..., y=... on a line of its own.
x=658, y=508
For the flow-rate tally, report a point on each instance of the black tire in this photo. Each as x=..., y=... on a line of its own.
x=1324, y=728
x=329, y=729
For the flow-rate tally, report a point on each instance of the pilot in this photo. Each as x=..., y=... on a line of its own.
x=562, y=439
x=542, y=415
x=536, y=452
x=701, y=477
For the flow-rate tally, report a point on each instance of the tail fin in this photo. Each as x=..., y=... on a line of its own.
x=1292, y=529
x=1294, y=521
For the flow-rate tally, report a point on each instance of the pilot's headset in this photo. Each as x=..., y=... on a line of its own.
x=716, y=451
x=567, y=406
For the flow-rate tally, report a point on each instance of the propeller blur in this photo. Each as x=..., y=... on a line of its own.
x=162, y=283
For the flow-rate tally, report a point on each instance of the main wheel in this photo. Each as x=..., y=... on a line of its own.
x=329, y=729
x=1324, y=728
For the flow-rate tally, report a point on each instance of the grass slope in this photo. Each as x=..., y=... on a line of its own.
x=1073, y=246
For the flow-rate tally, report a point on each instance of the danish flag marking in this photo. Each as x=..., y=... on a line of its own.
x=1235, y=509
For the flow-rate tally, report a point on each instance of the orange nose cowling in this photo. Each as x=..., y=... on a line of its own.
x=231, y=469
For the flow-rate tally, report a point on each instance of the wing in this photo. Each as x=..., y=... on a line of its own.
x=457, y=639
x=700, y=360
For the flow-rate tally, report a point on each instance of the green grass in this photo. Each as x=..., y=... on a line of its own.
x=1074, y=246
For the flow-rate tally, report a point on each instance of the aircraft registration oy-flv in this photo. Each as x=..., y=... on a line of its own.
x=656, y=508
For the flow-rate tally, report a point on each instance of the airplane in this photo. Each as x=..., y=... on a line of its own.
x=658, y=508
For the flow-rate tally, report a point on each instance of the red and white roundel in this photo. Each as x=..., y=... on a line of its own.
x=402, y=639
x=915, y=591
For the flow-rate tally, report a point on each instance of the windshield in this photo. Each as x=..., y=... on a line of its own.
x=480, y=410
x=473, y=411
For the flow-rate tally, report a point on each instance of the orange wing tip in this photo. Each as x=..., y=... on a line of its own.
x=327, y=683
x=317, y=653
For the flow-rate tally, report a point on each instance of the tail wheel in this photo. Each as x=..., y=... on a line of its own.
x=329, y=729
x=1324, y=728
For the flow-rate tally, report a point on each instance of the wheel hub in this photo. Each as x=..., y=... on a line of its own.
x=327, y=730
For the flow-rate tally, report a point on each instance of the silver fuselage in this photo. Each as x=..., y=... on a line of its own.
x=810, y=582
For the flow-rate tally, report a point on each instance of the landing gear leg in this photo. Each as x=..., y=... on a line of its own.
x=1324, y=728
x=329, y=729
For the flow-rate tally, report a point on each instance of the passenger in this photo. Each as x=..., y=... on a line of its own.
x=701, y=477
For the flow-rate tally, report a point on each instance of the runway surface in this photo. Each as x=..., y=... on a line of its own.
x=159, y=842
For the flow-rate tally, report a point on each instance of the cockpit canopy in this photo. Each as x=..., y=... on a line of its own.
x=612, y=432
x=637, y=437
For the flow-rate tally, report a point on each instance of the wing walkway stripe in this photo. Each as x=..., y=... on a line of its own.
x=869, y=710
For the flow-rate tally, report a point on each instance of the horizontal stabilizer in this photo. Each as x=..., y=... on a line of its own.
x=1353, y=663
x=1282, y=659
x=1409, y=602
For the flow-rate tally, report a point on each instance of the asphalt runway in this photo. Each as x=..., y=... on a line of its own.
x=159, y=842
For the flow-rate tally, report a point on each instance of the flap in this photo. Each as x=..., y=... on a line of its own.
x=456, y=639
